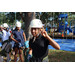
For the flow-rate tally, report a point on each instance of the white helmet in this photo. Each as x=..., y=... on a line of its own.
x=18, y=24
x=36, y=23
x=5, y=25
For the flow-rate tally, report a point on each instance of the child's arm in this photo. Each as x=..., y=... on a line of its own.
x=30, y=51
x=2, y=28
x=52, y=42
x=24, y=36
x=11, y=37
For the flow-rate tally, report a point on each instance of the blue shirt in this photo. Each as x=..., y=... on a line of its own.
x=18, y=35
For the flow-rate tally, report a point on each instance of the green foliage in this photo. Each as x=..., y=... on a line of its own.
x=45, y=17
x=11, y=17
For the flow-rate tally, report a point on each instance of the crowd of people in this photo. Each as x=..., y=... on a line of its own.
x=32, y=50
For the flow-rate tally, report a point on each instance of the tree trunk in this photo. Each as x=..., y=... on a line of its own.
x=28, y=17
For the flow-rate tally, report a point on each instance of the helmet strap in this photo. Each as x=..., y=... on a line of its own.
x=35, y=37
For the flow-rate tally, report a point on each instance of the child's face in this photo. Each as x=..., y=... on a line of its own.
x=18, y=28
x=34, y=31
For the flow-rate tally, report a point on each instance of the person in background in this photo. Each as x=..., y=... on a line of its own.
x=6, y=46
x=19, y=39
x=12, y=48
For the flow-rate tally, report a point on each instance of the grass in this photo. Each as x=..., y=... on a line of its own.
x=61, y=56
x=55, y=56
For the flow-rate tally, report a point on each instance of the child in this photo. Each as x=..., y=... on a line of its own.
x=38, y=45
x=19, y=39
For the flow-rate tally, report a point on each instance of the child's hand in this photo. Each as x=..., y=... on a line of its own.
x=16, y=41
x=43, y=32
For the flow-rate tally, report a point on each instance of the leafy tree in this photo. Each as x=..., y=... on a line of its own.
x=11, y=17
x=26, y=17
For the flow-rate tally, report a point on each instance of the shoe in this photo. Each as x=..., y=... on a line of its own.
x=10, y=59
x=17, y=59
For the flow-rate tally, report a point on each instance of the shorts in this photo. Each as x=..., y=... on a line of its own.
x=16, y=45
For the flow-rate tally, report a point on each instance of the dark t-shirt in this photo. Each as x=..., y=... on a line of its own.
x=39, y=47
x=18, y=35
